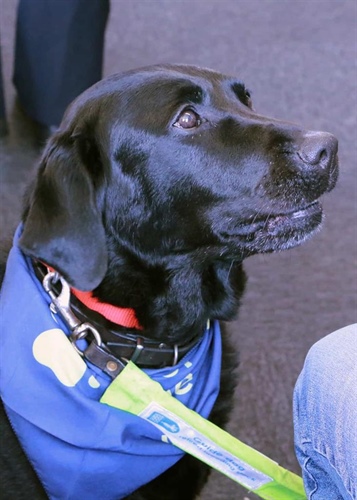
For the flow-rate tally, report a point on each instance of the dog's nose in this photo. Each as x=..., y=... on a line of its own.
x=318, y=148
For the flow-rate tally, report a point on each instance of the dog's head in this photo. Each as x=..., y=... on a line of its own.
x=173, y=160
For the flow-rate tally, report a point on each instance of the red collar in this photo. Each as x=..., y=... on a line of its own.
x=120, y=315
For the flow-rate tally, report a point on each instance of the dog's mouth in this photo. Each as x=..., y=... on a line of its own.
x=273, y=223
x=271, y=232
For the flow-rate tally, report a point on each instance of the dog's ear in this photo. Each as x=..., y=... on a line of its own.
x=63, y=223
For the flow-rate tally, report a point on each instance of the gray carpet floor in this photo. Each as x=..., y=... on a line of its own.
x=299, y=59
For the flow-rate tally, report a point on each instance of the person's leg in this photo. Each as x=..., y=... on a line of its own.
x=325, y=417
x=59, y=53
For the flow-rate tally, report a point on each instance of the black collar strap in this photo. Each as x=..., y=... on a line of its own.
x=125, y=343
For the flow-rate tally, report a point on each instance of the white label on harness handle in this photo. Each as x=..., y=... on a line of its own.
x=197, y=444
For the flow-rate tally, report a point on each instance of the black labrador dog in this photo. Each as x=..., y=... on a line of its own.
x=156, y=187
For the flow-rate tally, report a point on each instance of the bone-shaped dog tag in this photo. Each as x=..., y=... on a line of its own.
x=53, y=349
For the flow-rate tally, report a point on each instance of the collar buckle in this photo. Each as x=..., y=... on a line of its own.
x=176, y=355
x=138, y=349
x=140, y=346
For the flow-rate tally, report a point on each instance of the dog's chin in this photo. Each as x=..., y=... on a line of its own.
x=276, y=232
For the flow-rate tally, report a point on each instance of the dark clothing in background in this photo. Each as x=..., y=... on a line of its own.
x=59, y=53
x=2, y=98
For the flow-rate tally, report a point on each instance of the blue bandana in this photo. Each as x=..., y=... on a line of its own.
x=79, y=447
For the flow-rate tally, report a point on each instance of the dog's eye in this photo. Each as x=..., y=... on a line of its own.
x=246, y=98
x=243, y=94
x=188, y=119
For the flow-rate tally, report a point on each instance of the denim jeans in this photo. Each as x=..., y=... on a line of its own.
x=325, y=417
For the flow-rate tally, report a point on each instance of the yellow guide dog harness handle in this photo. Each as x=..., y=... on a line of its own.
x=135, y=392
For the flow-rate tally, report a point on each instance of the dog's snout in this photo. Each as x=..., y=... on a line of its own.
x=318, y=148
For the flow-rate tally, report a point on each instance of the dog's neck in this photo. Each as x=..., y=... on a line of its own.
x=173, y=302
x=167, y=303
x=117, y=328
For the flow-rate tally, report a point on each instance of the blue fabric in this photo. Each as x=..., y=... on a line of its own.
x=79, y=447
x=325, y=408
